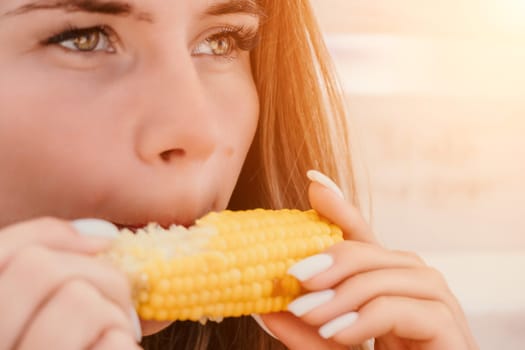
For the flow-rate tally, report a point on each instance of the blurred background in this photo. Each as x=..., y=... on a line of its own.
x=436, y=93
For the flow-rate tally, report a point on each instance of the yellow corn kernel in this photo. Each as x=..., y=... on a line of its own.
x=229, y=264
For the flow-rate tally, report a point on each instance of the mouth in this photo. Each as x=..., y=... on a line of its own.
x=132, y=228
x=164, y=221
x=163, y=224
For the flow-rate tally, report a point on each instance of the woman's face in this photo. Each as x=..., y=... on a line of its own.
x=129, y=111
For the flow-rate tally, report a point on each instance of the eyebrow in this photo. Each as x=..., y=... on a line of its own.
x=120, y=8
x=250, y=7
x=115, y=8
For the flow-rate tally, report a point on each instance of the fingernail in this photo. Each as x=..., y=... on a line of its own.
x=311, y=266
x=136, y=325
x=260, y=322
x=95, y=228
x=301, y=306
x=324, y=180
x=338, y=324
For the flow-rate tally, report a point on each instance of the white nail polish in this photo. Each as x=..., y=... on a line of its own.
x=301, y=306
x=95, y=228
x=338, y=324
x=324, y=180
x=136, y=325
x=261, y=324
x=311, y=266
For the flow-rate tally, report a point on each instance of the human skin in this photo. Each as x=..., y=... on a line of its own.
x=125, y=136
x=156, y=128
x=392, y=296
x=151, y=123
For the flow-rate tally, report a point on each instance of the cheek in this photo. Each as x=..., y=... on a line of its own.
x=42, y=133
x=52, y=107
x=30, y=117
x=239, y=105
x=242, y=112
x=41, y=97
x=41, y=114
x=237, y=100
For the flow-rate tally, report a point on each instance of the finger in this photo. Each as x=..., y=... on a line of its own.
x=351, y=258
x=328, y=204
x=389, y=342
x=346, y=259
x=116, y=339
x=416, y=320
x=295, y=334
x=151, y=327
x=49, y=232
x=19, y=297
x=75, y=317
x=355, y=292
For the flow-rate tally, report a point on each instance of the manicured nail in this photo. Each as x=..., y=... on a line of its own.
x=136, y=325
x=95, y=228
x=311, y=266
x=301, y=306
x=338, y=324
x=324, y=180
x=261, y=324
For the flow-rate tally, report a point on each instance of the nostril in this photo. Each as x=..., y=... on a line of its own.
x=169, y=154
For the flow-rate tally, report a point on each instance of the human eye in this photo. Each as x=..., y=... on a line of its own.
x=228, y=42
x=92, y=39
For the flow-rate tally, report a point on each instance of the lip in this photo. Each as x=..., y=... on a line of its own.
x=185, y=219
x=165, y=224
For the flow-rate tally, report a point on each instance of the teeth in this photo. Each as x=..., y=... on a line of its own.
x=137, y=228
x=133, y=229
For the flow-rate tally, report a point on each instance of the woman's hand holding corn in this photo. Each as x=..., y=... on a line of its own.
x=359, y=290
x=52, y=291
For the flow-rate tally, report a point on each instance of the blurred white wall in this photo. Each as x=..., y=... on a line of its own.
x=436, y=92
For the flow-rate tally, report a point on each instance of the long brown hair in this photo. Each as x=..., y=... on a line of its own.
x=302, y=125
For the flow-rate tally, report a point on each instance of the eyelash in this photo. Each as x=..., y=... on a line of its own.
x=72, y=32
x=243, y=38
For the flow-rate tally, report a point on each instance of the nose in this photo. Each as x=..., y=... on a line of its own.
x=176, y=118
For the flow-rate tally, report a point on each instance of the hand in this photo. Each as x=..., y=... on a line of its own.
x=55, y=294
x=360, y=290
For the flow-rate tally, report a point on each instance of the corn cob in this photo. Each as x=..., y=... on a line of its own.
x=231, y=263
